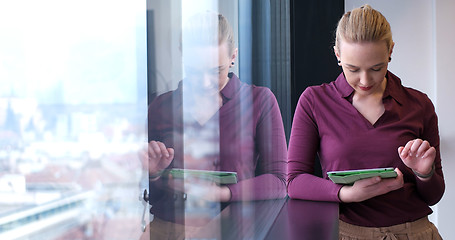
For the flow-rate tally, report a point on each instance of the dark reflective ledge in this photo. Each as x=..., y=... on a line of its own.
x=299, y=219
x=274, y=219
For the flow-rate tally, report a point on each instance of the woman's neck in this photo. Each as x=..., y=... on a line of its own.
x=371, y=105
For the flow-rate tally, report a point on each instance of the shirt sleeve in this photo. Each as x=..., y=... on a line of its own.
x=270, y=143
x=303, y=147
x=431, y=191
x=158, y=113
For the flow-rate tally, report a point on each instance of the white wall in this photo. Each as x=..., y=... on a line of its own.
x=445, y=86
x=412, y=29
x=424, y=51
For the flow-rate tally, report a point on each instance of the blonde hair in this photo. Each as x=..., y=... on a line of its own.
x=363, y=24
x=207, y=29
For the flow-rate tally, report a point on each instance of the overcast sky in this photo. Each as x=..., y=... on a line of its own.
x=87, y=51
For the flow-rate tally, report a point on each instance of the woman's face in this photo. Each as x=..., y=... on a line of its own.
x=364, y=65
x=207, y=67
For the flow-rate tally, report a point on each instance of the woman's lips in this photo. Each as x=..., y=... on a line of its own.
x=365, y=88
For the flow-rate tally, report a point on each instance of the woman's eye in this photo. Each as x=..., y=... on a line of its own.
x=376, y=69
x=215, y=72
x=353, y=70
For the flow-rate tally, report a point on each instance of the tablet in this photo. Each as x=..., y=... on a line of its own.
x=219, y=177
x=350, y=176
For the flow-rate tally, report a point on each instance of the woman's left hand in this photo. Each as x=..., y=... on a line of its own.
x=207, y=190
x=418, y=155
x=203, y=189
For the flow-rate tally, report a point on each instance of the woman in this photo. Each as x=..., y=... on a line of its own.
x=213, y=121
x=367, y=119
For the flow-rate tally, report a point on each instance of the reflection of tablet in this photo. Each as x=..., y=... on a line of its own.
x=350, y=176
x=219, y=177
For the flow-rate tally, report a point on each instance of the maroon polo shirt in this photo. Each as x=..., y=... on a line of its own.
x=326, y=123
x=251, y=141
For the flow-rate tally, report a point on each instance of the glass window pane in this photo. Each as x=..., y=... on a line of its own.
x=216, y=134
x=72, y=118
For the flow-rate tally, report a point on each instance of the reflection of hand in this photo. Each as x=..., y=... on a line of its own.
x=203, y=189
x=418, y=155
x=157, y=157
x=371, y=187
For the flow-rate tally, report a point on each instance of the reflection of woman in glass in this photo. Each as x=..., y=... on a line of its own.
x=242, y=122
x=367, y=119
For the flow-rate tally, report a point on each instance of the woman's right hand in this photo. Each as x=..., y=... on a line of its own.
x=371, y=187
x=156, y=157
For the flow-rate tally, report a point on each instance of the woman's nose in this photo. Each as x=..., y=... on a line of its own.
x=207, y=80
x=364, y=79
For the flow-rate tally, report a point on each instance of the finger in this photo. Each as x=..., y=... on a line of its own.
x=415, y=146
x=154, y=155
x=166, y=161
x=367, y=182
x=400, y=151
x=394, y=183
x=170, y=180
x=163, y=149
x=430, y=152
x=171, y=153
x=154, y=149
x=389, y=184
x=406, y=149
x=424, y=146
x=400, y=175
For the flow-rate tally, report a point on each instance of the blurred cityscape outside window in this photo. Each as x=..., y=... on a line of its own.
x=76, y=78
x=73, y=111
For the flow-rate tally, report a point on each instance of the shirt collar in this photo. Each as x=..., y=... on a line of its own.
x=344, y=89
x=231, y=88
x=393, y=87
